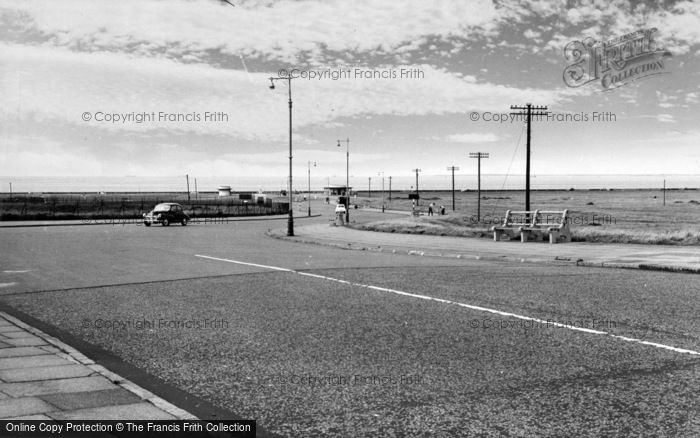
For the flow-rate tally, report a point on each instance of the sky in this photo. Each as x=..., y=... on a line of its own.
x=165, y=88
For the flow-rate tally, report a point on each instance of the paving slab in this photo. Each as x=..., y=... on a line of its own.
x=21, y=351
x=44, y=373
x=71, y=401
x=9, y=329
x=79, y=384
x=41, y=375
x=16, y=407
x=32, y=418
x=15, y=334
x=135, y=411
x=30, y=341
x=26, y=362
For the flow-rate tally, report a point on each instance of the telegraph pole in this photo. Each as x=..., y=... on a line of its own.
x=382, y=175
x=478, y=156
x=369, y=187
x=308, y=193
x=417, y=194
x=528, y=111
x=389, y=188
x=188, y=187
x=453, y=168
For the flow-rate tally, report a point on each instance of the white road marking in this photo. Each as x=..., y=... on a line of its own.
x=8, y=284
x=468, y=306
x=16, y=272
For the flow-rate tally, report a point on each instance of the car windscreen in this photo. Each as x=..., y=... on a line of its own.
x=161, y=208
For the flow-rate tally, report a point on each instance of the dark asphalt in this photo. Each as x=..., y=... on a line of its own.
x=278, y=345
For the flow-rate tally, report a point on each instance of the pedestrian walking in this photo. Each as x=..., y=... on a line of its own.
x=430, y=208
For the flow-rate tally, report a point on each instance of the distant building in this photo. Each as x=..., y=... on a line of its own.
x=224, y=191
x=335, y=190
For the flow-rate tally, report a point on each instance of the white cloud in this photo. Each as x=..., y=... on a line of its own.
x=279, y=30
x=472, y=138
x=40, y=84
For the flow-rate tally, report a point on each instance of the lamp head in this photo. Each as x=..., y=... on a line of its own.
x=272, y=84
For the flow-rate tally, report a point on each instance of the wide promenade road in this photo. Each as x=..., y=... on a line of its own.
x=314, y=340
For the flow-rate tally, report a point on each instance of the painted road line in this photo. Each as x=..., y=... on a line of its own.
x=456, y=303
x=16, y=272
x=8, y=284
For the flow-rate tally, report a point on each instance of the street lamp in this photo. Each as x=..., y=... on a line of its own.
x=309, y=192
x=347, y=180
x=288, y=78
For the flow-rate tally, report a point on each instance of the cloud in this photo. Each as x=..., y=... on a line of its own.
x=43, y=84
x=472, y=138
x=274, y=30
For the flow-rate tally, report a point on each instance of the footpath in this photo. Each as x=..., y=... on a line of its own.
x=41, y=378
x=653, y=257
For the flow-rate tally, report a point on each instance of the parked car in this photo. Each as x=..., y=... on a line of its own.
x=166, y=214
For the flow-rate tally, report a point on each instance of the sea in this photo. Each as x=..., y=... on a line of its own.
x=41, y=184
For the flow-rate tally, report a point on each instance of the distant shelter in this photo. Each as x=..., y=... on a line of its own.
x=336, y=190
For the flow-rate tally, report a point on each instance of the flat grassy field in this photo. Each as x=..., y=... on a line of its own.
x=72, y=206
x=622, y=216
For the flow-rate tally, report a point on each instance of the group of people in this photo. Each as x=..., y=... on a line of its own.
x=431, y=209
x=340, y=211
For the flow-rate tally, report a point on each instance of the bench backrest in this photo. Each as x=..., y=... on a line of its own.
x=543, y=218
x=551, y=218
x=518, y=218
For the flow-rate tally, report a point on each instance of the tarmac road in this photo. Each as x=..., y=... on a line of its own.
x=319, y=341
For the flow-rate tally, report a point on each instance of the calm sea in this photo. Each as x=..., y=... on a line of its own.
x=404, y=182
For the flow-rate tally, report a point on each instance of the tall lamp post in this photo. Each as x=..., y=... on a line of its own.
x=288, y=78
x=308, y=194
x=347, y=179
x=369, y=187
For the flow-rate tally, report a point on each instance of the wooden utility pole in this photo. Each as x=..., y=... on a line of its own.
x=478, y=156
x=453, y=168
x=664, y=192
x=390, y=189
x=528, y=111
x=417, y=195
x=188, y=187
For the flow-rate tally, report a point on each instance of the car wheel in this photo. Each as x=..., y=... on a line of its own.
x=184, y=222
x=166, y=222
x=146, y=223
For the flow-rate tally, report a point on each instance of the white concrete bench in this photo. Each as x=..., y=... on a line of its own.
x=534, y=225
